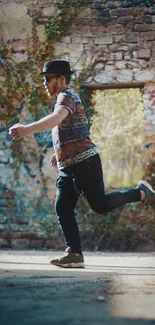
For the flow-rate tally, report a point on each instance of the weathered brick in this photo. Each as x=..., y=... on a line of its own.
x=142, y=27
x=125, y=20
x=152, y=63
x=100, y=56
x=103, y=77
x=133, y=46
x=152, y=9
x=145, y=44
x=125, y=76
x=121, y=12
x=113, y=47
x=80, y=30
x=103, y=39
x=148, y=36
x=25, y=228
x=60, y=48
x=147, y=19
x=50, y=243
x=111, y=57
x=66, y=39
x=101, y=48
x=49, y=11
x=16, y=235
x=83, y=21
x=14, y=227
x=15, y=29
x=144, y=76
x=19, y=58
x=21, y=220
x=94, y=13
x=20, y=243
x=121, y=64
x=41, y=33
x=115, y=29
x=98, y=5
x=112, y=4
x=123, y=47
x=85, y=13
x=118, y=56
x=135, y=63
x=43, y=3
x=104, y=12
x=76, y=49
x=110, y=69
x=81, y=40
x=13, y=11
x=95, y=22
x=21, y=46
x=4, y=243
x=109, y=20
x=139, y=20
x=131, y=37
x=3, y=227
x=54, y=243
x=3, y=201
x=128, y=11
x=109, y=62
x=99, y=66
x=96, y=30
x=134, y=53
x=144, y=54
x=3, y=219
x=118, y=38
x=152, y=26
x=145, y=247
x=36, y=243
x=127, y=56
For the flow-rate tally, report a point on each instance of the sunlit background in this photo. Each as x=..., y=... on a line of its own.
x=117, y=129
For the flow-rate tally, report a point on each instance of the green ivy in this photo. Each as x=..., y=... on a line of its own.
x=17, y=90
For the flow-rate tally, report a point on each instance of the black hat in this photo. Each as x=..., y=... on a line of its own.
x=57, y=67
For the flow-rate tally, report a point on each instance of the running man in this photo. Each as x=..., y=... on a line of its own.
x=79, y=163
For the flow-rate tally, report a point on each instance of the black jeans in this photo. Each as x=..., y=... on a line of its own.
x=85, y=178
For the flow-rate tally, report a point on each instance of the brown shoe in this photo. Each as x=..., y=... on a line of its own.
x=69, y=260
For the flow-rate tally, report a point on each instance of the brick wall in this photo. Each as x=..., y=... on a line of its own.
x=117, y=40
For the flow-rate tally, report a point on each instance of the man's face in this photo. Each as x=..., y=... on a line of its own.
x=52, y=84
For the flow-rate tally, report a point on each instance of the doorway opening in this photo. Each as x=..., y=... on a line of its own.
x=117, y=128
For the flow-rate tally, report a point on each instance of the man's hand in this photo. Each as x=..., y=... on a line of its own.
x=18, y=131
x=53, y=161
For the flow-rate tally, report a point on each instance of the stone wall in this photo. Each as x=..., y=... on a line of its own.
x=115, y=41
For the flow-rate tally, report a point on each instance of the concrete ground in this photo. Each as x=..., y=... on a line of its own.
x=113, y=289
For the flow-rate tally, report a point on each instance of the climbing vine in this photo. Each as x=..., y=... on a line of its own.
x=21, y=84
x=16, y=88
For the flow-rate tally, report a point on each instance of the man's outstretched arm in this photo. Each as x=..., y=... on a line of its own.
x=19, y=131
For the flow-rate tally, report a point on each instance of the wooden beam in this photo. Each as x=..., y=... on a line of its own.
x=114, y=86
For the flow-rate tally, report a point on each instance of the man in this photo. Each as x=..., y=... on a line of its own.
x=79, y=164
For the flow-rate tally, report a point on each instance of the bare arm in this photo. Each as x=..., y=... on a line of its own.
x=48, y=122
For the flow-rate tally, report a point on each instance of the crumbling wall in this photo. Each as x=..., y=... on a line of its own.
x=115, y=42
